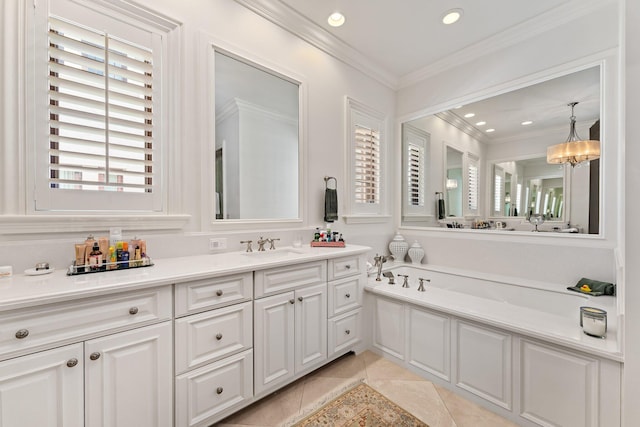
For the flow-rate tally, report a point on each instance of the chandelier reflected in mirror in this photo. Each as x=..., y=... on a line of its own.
x=575, y=150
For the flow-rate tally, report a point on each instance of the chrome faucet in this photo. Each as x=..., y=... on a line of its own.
x=421, y=285
x=272, y=243
x=261, y=241
x=405, y=282
x=378, y=260
x=248, y=242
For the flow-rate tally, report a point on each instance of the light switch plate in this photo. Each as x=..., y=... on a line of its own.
x=217, y=243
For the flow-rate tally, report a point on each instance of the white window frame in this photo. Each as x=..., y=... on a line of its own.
x=28, y=26
x=358, y=113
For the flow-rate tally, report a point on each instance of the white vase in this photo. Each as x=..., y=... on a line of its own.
x=398, y=247
x=416, y=253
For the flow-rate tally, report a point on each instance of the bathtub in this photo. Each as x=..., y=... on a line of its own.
x=535, y=309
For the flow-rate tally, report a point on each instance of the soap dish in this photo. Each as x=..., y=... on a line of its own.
x=34, y=272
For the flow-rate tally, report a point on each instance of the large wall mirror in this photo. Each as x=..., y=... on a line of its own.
x=509, y=134
x=257, y=113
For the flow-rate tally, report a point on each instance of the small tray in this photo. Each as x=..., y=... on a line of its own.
x=327, y=244
x=74, y=269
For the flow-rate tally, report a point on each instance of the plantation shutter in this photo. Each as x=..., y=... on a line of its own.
x=472, y=185
x=100, y=111
x=415, y=175
x=367, y=165
x=498, y=190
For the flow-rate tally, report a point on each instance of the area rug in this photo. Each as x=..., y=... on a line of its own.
x=361, y=406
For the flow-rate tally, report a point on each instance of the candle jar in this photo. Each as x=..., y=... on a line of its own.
x=593, y=321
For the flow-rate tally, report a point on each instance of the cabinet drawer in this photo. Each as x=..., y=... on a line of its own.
x=200, y=295
x=281, y=279
x=346, y=266
x=72, y=321
x=210, y=336
x=345, y=331
x=203, y=395
x=345, y=295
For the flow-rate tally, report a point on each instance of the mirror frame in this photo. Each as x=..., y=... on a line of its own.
x=608, y=66
x=208, y=190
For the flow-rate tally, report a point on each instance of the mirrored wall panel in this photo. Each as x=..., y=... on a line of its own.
x=505, y=139
x=256, y=142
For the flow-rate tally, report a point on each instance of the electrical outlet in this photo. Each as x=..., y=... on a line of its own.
x=218, y=243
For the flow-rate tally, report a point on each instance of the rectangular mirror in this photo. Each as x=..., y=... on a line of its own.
x=257, y=140
x=504, y=139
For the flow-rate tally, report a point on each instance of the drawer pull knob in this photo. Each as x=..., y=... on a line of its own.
x=219, y=390
x=133, y=310
x=300, y=298
x=219, y=292
x=72, y=362
x=218, y=336
x=292, y=301
x=348, y=266
x=22, y=333
x=348, y=295
x=94, y=356
x=347, y=332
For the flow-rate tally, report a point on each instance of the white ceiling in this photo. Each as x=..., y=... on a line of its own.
x=406, y=38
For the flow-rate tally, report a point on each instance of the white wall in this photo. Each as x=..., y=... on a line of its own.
x=630, y=229
x=327, y=82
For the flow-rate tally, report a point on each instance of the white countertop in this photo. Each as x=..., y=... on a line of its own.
x=21, y=291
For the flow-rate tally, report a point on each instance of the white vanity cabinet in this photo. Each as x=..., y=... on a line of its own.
x=290, y=327
x=43, y=389
x=347, y=277
x=213, y=348
x=77, y=365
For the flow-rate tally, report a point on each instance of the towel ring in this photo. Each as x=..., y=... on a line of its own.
x=326, y=182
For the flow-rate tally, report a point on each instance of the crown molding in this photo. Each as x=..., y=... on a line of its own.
x=529, y=29
x=454, y=120
x=290, y=20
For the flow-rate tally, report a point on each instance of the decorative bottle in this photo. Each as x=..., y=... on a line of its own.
x=398, y=247
x=416, y=253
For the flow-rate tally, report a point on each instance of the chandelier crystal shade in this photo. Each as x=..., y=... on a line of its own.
x=575, y=150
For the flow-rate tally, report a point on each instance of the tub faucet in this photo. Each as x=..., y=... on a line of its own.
x=405, y=282
x=421, y=285
x=378, y=260
x=389, y=275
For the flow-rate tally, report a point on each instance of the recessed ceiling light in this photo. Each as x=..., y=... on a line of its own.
x=336, y=19
x=458, y=107
x=451, y=16
x=481, y=123
x=490, y=130
x=469, y=115
x=526, y=123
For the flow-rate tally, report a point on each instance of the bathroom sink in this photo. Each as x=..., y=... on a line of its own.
x=275, y=253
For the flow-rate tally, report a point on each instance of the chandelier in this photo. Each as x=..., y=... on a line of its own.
x=574, y=150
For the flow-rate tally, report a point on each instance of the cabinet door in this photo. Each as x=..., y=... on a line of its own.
x=428, y=345
x=388, y=327
x=129, y=378
x=273, y=340
x=43, y=389
x=311, y=327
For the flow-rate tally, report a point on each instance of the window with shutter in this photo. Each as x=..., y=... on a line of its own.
x=415, y=175
x=100, y=111
x=365, y=142
x=473, y=180
x=367, y=164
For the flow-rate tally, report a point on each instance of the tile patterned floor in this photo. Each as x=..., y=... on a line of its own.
x=434, y=405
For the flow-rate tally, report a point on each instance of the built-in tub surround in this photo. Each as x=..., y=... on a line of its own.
x=540, y=310
x=511, y=345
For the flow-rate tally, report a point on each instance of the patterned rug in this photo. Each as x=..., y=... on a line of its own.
x=360, y=406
